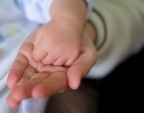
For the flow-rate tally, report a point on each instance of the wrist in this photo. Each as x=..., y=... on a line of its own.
x=73, y=11
x=68, y=6
x=66, y=27
x=91, y=31
x=69, y=23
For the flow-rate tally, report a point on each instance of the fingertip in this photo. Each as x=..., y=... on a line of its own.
x=69, y=62
x=74, y=78
x=10, y=85
x=37, y=92
x=39, y=53
x=74, y=84
x=59, y=62
x=12, y=102
x=35, y=55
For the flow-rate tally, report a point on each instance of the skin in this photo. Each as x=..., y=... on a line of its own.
x=53, y=43
x=30, y=78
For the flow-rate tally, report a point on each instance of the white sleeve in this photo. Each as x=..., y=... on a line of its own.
x=120, y=29
x=89, y=7
x=36, y=10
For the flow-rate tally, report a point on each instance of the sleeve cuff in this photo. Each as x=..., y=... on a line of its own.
x=46, y=10
x=36, y=10
x=100, y=26
x=89, y=7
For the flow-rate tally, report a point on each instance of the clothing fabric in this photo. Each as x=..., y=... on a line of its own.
x=39, y=10
x=120, y=32
x=36, y=10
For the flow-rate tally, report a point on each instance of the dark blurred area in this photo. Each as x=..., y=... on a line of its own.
x=121, y=91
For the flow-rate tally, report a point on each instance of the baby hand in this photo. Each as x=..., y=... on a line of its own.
x=56, y=43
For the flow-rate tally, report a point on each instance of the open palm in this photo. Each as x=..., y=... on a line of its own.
x=29, y=78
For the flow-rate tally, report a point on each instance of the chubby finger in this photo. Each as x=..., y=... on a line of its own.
x=49, y=59
x=59, y=62
x=39, y=51
x=52, y=68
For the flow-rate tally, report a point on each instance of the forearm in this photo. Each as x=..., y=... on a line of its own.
x=73, y=12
